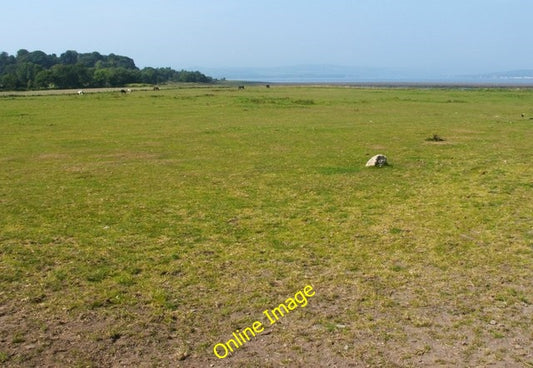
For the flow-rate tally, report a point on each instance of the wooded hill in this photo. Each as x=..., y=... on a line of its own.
x=38, y=70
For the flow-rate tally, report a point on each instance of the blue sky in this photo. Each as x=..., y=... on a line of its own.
x=456, y=36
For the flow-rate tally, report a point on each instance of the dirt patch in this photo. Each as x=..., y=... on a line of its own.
x=53, y=156
x=128, y=156
x=340, y=327
x=31, y=336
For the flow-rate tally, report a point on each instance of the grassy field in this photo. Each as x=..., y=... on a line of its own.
x=143, y=229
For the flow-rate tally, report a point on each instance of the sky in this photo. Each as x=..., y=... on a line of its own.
x=454, y=36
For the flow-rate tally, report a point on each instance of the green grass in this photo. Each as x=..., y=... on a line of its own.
x=169, y=219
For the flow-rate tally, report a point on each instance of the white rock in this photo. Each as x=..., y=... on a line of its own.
x=377, y=160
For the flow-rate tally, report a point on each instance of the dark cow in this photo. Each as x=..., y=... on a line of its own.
x=123, y=91
x=268, y=86
x=241, y=87
x=156, y=88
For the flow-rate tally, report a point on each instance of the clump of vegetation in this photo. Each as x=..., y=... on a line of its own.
x=37, y=70
x=3, y=357
x=277, y=101
x=435, y=138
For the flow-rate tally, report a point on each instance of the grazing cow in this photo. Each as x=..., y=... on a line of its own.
x=241, y=87
x=268, y=86
x=123, y=91
x=80, y=92
x=156, y=88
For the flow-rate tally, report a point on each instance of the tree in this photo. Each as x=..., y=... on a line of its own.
x=69, y=57
x=5, y=60
x=9, y=81
x=149, y=75
x=100, y=77
x=21, y=54
x=117, y=61
x=90, y=59
x=26, y=73
x=36, y=70
x=43, y=79
x=192, y=77
x=115, y=77
x=70, y=76
x=41, y=59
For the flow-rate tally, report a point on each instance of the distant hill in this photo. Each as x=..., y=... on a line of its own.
x=347, y=74
x=38, y=70
x=316, y=73
x=514, y=75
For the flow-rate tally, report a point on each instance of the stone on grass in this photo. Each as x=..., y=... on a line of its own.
x=377, y=161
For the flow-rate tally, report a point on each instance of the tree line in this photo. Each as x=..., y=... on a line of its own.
x=37, y=70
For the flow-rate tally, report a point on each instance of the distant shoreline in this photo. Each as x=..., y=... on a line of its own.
x=234, y=83
x=393, y=84
x=370, y=76
x=406, y=84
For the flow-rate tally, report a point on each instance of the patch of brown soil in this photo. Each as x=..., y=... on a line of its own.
x=338, y=328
